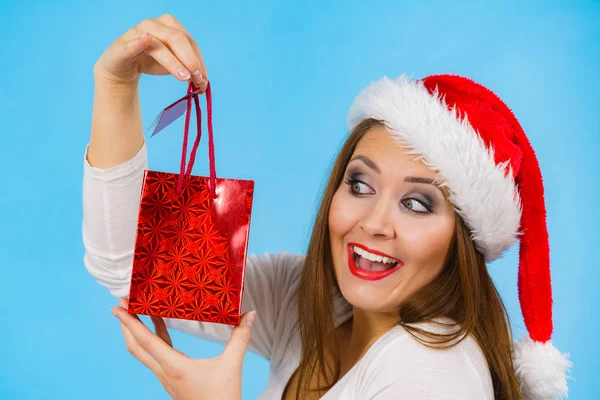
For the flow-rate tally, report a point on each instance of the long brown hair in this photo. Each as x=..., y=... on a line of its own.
x=463, y=292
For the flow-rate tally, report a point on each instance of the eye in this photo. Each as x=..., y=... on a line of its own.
x=416, y=206
x=358, y=187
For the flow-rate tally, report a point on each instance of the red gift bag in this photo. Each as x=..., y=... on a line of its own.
x=192, y=235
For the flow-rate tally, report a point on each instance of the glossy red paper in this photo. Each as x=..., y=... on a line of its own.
x=190, y=249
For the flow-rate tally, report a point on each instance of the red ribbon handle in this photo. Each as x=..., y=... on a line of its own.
x=173, y=112
x=211, y=148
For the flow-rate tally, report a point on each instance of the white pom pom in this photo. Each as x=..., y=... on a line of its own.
x=541, y=369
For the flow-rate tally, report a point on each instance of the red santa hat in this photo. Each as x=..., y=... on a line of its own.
x=471, y=138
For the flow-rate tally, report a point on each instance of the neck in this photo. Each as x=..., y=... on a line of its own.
x=360, y=332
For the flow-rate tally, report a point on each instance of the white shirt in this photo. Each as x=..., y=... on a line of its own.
x=396, y=366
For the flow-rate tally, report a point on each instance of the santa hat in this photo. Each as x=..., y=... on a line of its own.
x=470, y=137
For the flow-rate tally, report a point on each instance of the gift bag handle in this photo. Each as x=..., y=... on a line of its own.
x=211, y=148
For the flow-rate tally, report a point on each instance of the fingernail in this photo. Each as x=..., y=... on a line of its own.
x=123, y=303
x=197, y=76
x=183, y=73
x=203, y=85
x=115, y=311
x=250, y=318
x=143, y=35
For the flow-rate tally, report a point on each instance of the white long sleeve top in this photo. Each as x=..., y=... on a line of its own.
x=396, y=366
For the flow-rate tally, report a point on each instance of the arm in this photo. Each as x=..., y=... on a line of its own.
x=115, y=162
x=156, y=47
x=117, y=133
x=111, y=199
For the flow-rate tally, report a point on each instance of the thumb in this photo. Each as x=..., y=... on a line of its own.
x=240, y=339
x=136, y=45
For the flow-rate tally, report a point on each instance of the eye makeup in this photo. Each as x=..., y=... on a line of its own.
x=355, y=171
x=356, y=187
x=428, y=206
x=424, y=198
x=359, y=186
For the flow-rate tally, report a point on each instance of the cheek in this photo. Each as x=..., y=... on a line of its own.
x=343, y=214
x=428, y=243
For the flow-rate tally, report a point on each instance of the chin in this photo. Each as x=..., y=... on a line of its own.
x=366, y=301
x=368, y=290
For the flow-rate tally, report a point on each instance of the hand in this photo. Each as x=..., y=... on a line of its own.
x=184, y=377
x=158, y=46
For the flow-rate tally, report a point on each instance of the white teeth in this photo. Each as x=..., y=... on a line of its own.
x=373, y=257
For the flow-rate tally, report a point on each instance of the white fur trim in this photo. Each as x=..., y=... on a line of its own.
x=541, y=370
x=483, y=193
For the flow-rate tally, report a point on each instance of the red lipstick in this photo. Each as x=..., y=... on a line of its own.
x=369, y=275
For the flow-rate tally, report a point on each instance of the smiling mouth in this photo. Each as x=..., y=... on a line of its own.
x=370, y=264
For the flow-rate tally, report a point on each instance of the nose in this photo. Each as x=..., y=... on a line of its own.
x=377, y=221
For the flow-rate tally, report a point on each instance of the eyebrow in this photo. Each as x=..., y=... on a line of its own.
x=418, y=179
x=367, y=162
x=410, y=179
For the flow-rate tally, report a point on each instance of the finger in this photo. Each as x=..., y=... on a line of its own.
x=171, y=21
x=167, y=60
x=240, y=339
x=164, y=354
x=178, y=43
x=160, y=328
x=138, y=352
x=124, y=302
x=142, y=355
x=134, y=47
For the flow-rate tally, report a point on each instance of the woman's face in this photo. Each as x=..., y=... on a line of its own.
x=389, y=231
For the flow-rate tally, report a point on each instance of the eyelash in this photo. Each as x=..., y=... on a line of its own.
x=352, y=181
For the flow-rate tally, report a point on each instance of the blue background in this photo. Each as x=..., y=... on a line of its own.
x=283, y=77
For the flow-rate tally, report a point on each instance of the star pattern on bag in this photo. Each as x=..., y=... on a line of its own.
x=190, y=249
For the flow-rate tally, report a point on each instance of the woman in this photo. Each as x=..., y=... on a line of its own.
x=393, y=298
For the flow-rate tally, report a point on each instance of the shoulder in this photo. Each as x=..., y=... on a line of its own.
x=283, y=267
x=407, y=368
x=273, y=278
x=281, y=258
